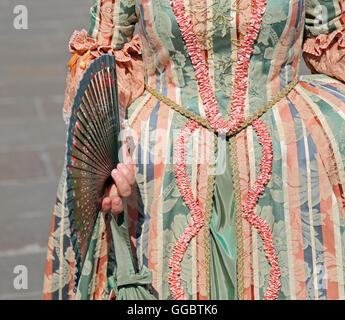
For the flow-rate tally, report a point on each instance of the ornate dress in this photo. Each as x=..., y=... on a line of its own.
x=240, y=171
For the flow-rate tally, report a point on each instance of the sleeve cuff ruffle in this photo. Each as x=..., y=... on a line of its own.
x=316, y=46
x=326, y=54
x=129, y=68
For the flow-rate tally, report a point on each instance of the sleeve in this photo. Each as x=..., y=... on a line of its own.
x=324, y=43
x=111, y=31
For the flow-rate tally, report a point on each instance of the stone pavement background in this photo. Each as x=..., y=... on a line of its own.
x=32, y=132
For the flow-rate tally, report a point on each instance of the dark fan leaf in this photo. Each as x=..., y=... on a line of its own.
x=92, y=148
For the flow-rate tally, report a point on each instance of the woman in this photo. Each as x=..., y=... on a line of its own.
x=239, y=163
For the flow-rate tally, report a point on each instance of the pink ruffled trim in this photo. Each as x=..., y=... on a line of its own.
x=197, y=214
x=129, y=67
x=201, y=70
x=248, y=208
x=316, y=46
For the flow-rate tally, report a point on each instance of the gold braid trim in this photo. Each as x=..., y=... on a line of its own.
x=208, y=213
x=205, y=123
x=188, y=114
x=238, y=213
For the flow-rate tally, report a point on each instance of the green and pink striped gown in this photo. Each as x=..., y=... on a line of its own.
x=261, y=212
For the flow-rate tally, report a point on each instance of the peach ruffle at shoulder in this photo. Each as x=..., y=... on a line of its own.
x=326, y=54
x=129, y=68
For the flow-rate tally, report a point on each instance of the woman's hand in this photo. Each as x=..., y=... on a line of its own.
x=124, y=178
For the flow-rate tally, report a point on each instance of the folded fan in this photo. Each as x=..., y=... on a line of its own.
x=92, y=148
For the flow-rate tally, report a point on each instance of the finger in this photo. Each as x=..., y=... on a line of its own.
x=122, y=185
x=127, y=160
x=116, y=205
x=113, y=191
x=106, y=204
x=127, y=171
x=126, y=157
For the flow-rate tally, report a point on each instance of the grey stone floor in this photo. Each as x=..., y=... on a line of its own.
x=32, y=132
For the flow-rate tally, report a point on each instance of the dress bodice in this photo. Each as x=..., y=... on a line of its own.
x=219, y=27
